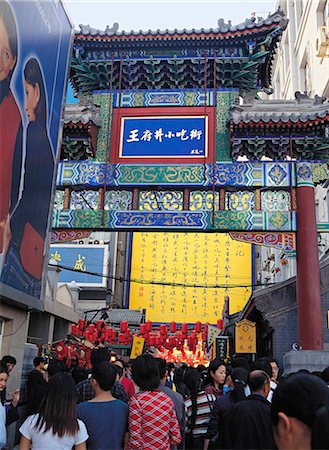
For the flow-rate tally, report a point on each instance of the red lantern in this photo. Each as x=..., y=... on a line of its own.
x=157, y=341
x=99, y=325
x=87, y=335
x=220, y=324
x=121, y=338
x=184, y=328
x=198, y=327
x=151, y=341
x=148, y=325
x=163, y=329
x=172, y=327
x=91, y=328
x=82, y=324
x=142, y=328
x=123, y=326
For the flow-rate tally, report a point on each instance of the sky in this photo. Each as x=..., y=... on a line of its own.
x=158, y=14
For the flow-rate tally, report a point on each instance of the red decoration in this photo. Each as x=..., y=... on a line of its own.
x=143, y=328
x=163, y=329
x=184, y=328
x=198, y=327
x=220, y=324
x=82, y=324
x=123, y=326
x=148, y=325
x=172, y=327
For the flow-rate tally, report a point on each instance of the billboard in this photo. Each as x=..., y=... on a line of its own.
x=185, y=276
x=87, y=264
x=35, y=46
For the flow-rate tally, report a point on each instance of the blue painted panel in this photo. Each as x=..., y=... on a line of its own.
x=165, y=137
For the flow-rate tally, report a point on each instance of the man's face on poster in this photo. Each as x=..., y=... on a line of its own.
x=7, y=60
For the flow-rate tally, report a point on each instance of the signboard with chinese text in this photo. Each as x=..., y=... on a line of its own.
x=181, y=268
x=221, y=347
x=245, y=337
x=83, y=261
x=167, y=136
x=137, y=347
x=163, y=135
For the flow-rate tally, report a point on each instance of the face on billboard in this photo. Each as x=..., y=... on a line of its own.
x=35, y=45
x=7, y=60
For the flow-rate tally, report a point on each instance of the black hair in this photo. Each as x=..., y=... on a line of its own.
x=38, y=360
x=193, y=380
x=105, y=374
x=8, y=359
x=58, y=408
x=270, y=359
x=119, y=370
x=213, y=366
x=240, y=361
x=99, y=355
x=325, y=375
x=33, y=76
x=262, y=364
x=3, y=369
x=79, y=374
x=8, y=18
x=239, y=377
x=305, y=397
x=55, y=366
x=145, y=372
x=257, y=379
x=162, y=366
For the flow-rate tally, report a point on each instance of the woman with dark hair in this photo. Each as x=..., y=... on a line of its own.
x=56, y=425
x=10, y=120
x=152, y=418
x=29, y=221
x=300, y=413
x=215, y=436
x=215, y=377
x=198, y=406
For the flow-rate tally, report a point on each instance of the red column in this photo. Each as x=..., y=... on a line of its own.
x=310, y=328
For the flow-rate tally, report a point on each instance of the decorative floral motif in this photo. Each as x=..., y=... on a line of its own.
x=277, y=174
x=204, y=201
x=275, y=201
x=240, y=201
x=161, y=201
x=278, y=220
x=84, y=200
x=118, y=200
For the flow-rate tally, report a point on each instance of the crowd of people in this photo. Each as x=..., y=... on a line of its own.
x=148, y=404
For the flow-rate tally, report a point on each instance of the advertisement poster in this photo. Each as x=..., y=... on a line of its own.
x=35, y=47
x=181, y=276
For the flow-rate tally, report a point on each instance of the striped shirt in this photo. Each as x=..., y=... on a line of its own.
x=204, y=406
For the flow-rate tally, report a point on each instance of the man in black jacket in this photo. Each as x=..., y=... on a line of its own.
x=248, y=423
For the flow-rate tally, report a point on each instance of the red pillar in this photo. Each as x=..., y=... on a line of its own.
x=310, y=328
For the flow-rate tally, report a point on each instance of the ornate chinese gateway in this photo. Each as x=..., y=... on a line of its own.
x=169, y=134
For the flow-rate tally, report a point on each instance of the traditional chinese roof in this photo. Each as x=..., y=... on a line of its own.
x=240, y=55
x=276, y=129
x=80, y=133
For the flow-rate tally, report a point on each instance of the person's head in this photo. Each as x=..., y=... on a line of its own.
x=39, y=362
x=79, y=374
x=259, y=381
x=3, y=382
x=145, y=372
x=239, y=379
x=55, y=366
x=192, y=379
x=325, y=375
x=274, y=366
x=163, y=368
x=8, y=41
x=99, y=355
x=216, y=372
x=103, y=376
x=121, y=368
x=58, y=408
x=9, y=362
x=300, y=412
x=239, y=361
x=262, y=364
x=35, y=94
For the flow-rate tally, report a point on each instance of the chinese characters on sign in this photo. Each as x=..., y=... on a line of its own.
x=137, y=347
x=182, y=265
x=167, y=136
x=245, y=337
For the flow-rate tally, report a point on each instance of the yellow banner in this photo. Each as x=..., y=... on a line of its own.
x=137, y=347
x=245, y=337
x=171, y=273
